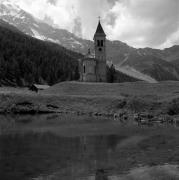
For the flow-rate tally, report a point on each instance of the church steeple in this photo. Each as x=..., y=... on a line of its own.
x=100, y=43
x=99, y=30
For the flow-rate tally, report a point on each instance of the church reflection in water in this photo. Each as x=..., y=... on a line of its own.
x=30, y=155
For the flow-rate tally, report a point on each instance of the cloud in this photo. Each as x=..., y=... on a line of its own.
x=140, y=23
x=145, y=22
x=49, y=20
x=62, y=12
x=53, y=2
x=77, y=29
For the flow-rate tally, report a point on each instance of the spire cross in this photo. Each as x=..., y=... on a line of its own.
x=99, y=17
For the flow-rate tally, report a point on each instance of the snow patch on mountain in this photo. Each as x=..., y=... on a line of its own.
x=77, y=42
x=37, y=35
x=53, y=40
x=36, y=25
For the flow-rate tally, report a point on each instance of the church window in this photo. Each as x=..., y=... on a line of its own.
x=100, y=49
x=101, y=43
x=98, y=42
x=84, y=69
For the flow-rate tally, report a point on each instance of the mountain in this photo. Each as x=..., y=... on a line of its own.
x=25, y=60
x=34, y=27
x=168, y=54
x=176, y=62
x=153, y=66
x=125, y=58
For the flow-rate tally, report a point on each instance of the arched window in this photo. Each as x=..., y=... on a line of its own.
x=101, y=43
x=98, y=42
x=84, y=69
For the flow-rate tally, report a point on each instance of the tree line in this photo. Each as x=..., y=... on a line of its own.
x=25, y=60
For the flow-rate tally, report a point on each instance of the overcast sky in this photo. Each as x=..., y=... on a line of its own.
x=140, y=23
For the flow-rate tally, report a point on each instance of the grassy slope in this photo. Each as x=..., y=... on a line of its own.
x=164, y=89
x=90, y=98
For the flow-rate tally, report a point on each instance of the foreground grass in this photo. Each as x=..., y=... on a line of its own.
x=94, y=99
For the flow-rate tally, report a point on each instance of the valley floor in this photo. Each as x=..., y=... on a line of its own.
x=98, y=99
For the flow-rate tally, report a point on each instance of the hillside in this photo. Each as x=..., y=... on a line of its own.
x=121, y=77
x=176, y=62
x=109, y=90
x=152, y=66
x=28, y=60
x=30, y=25
x=168, y=54
x=136, y=74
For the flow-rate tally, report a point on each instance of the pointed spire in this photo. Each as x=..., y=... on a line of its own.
x=99, y=30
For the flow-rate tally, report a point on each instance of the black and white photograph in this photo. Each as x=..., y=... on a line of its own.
x=89, y=89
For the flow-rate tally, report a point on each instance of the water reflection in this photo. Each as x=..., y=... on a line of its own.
x=28, y=152
x=32, y=154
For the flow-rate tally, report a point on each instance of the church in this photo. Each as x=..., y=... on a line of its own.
x=93, y=67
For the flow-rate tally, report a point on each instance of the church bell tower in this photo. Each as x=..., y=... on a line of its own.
x=100, y=43
x=100, y=53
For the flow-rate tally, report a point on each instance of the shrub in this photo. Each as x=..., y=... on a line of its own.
x=173, y=108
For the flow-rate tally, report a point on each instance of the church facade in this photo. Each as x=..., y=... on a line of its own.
x=93, y=67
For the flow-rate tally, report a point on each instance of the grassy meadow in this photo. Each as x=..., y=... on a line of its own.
x=102, y=99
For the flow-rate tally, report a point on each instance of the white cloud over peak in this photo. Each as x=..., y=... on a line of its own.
x=140, y=23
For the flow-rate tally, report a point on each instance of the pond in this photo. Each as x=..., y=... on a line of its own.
x=70, y=147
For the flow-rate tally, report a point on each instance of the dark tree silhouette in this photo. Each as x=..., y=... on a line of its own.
x=111, y=74
x=25, y=60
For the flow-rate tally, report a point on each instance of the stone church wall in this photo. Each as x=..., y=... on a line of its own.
x=101, y=71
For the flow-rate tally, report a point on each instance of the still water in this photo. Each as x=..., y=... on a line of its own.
x=71, y=148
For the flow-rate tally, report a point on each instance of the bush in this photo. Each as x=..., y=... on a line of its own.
x=173, y=108
x=137, y=104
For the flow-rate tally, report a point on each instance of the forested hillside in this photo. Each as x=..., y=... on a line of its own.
x=25, y=60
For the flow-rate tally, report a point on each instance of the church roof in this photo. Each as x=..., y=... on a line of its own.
x=99, y=30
